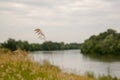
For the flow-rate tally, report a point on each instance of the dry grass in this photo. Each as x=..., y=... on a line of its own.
x=18, y=66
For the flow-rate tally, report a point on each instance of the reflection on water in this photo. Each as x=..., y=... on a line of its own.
x=73, y=61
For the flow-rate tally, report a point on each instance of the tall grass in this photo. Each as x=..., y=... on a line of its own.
x=18, y=66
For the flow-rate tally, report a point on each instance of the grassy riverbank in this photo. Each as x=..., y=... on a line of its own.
x=18, y=66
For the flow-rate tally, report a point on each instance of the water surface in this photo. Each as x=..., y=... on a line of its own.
x=73, y=61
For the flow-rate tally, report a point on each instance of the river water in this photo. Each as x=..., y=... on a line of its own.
x=73, y=61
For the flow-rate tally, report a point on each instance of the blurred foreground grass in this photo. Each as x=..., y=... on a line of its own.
x=18, y=66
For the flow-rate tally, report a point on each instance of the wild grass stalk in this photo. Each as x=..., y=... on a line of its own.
x=41, y=35
x=18, y=66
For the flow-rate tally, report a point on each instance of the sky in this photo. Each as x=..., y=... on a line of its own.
x=60, y=20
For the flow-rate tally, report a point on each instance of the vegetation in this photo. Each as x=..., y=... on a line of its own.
x=104, y=44
x=18, y=66
x=48, y=45
x=15, y=64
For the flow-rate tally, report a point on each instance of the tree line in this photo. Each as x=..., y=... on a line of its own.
x=106, y=43
x=12, y=44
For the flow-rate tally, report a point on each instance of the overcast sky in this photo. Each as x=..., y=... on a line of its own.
x=60, y=20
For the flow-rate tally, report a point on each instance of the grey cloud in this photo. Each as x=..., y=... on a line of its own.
x=84, y=17
x=41, y=3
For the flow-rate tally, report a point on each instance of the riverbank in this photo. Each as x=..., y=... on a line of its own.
x=18, y=66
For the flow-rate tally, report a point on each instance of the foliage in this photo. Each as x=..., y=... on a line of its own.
x=59, y=46
x=104, y=44
x=107, y=78
x=47, y=45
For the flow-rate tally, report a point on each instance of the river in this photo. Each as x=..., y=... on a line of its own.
x=75, y=62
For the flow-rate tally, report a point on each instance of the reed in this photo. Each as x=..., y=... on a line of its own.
x=17, y=65
x=41, y=35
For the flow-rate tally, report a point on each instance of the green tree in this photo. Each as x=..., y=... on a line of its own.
x=106, y=43
x=10, y=44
